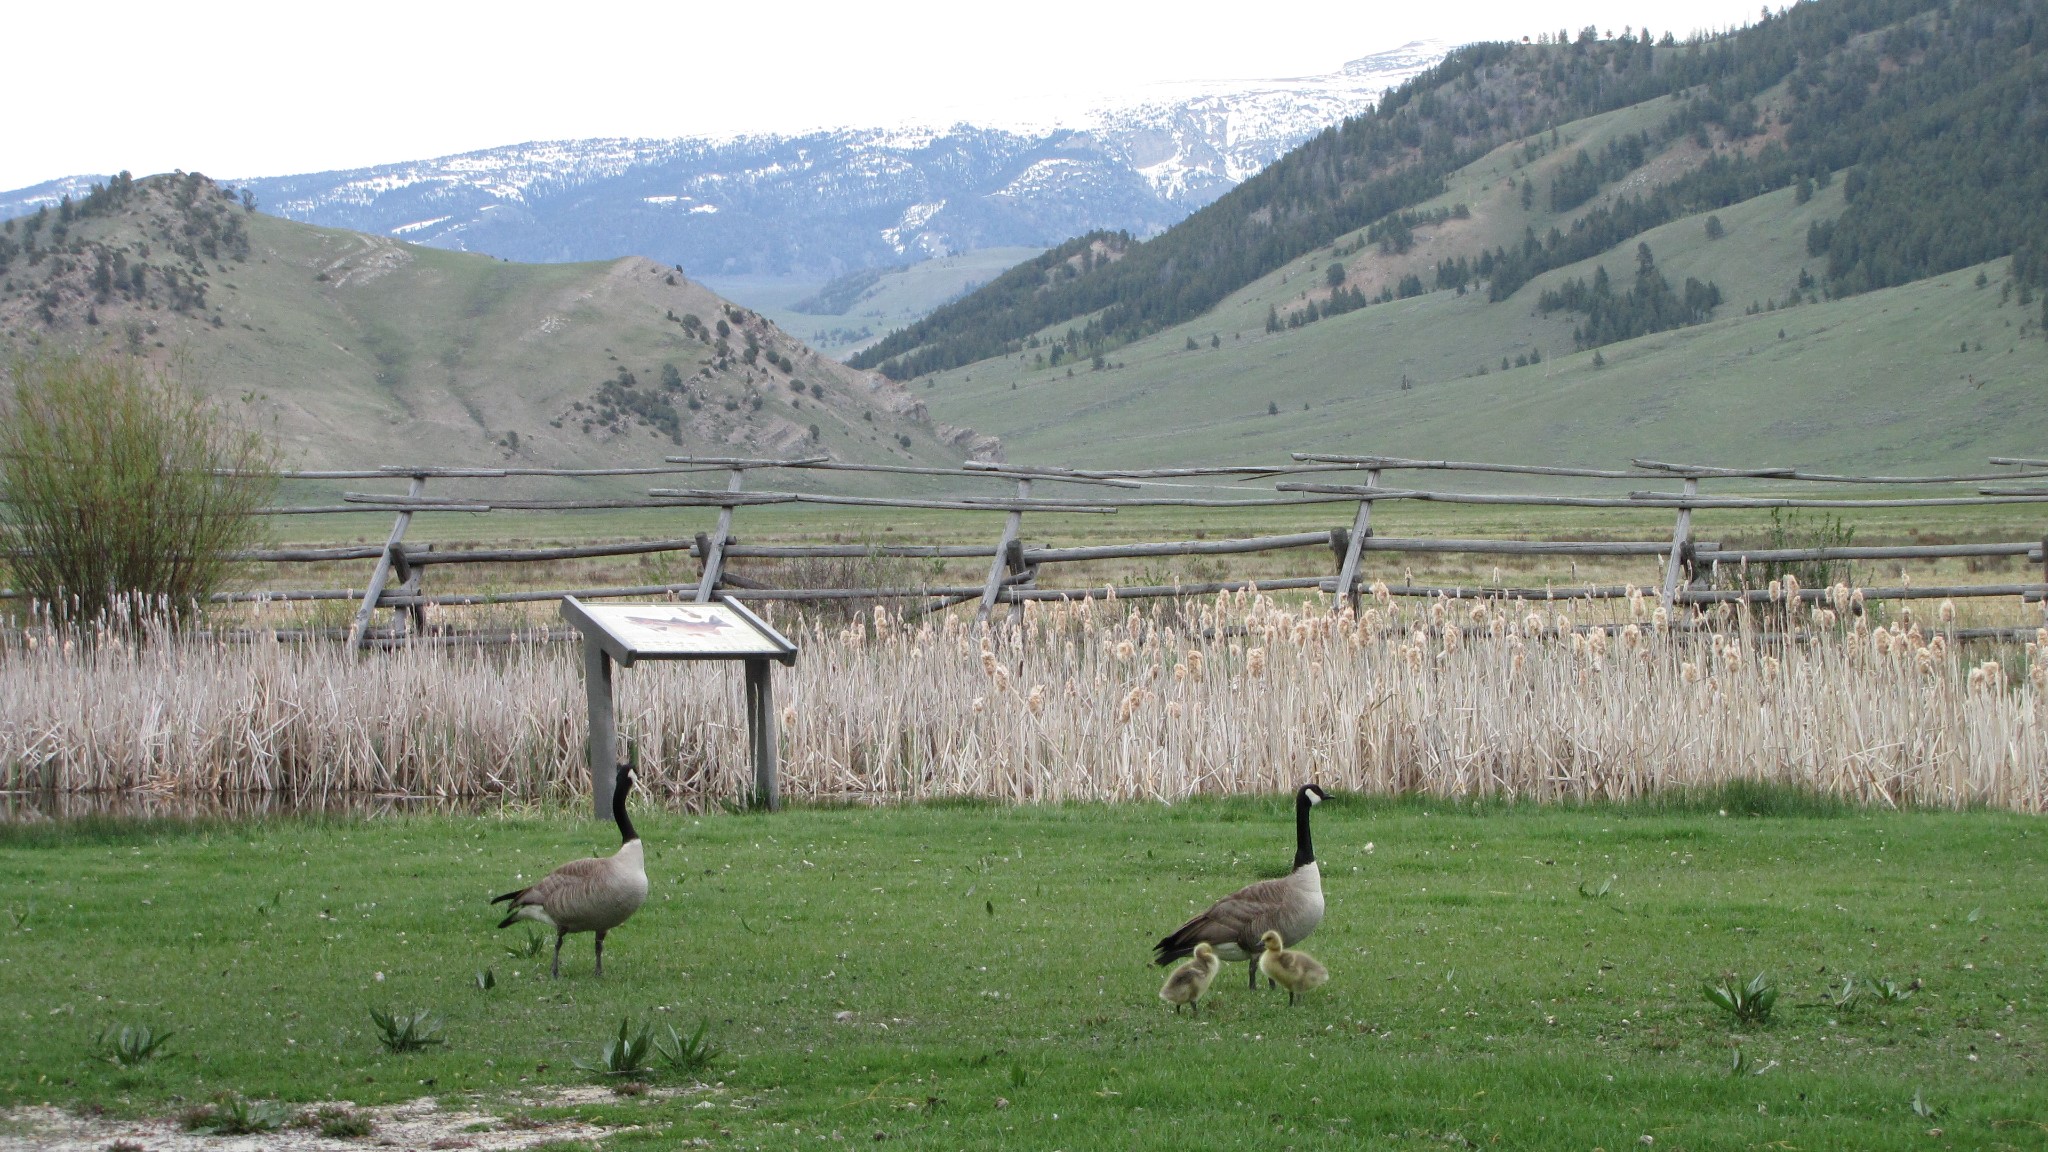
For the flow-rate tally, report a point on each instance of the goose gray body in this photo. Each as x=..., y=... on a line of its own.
x=595, y=894
x=1291, y=905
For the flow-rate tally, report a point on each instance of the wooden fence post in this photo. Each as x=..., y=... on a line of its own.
x=410, y=579
x=1361, y=527
x=1681, y=544
x=359, y=632
x=1013, y=525
x=714, y=557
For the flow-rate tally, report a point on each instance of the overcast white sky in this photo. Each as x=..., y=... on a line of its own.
x=236, y=89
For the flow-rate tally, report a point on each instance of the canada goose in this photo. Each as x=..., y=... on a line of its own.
x=1291, y=904
x=596, y=894
x=1298, y=972
x=1190, y=982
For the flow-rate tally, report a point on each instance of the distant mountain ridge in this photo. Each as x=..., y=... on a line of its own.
x=350, y=348
x=825, y=203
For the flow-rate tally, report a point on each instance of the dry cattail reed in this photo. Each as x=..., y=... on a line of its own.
x=1886, y=716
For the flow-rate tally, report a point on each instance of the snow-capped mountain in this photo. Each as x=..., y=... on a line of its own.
x=823, y=203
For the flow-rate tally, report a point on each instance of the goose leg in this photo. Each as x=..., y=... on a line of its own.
x=600, y=953
x=1254, y=966
x=558, y=955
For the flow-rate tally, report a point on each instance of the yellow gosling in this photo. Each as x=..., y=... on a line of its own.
x=1298, y=972
x=1190, y=982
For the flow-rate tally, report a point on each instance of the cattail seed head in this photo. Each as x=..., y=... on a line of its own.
x=1823, y=618
x=1036, y=701
x=1690, y=672
x=1948, y=611
x=1125, y=650
x=1661, y=619
x=1769, y=667
x=1255, y=662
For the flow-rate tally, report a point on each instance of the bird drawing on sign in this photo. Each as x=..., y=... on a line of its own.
x=685, y=623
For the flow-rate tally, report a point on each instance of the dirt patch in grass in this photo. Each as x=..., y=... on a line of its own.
x=472, y=1123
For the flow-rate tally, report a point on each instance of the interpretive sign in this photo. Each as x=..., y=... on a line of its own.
x=628, y=633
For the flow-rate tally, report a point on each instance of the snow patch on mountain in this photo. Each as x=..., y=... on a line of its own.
x=823, y=203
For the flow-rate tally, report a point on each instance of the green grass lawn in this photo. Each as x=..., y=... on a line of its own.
x=969, y=976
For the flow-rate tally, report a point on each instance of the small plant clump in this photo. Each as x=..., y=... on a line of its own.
x=1749, y=1004
x=406, y=1031
x=688, y=1054
x=624, y=1056
x=130, y=1045
x=236, y=1115
x=336, y=1122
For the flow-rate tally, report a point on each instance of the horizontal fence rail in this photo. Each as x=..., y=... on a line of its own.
x=1695, y=570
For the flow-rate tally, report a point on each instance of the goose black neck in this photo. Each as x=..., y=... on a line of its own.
x=625, y=822
x=1304, y=851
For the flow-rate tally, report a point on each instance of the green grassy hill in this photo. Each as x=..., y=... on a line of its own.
x=1868, y=381
x=359, y=350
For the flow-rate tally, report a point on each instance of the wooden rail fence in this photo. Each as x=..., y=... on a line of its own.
x=396, y=579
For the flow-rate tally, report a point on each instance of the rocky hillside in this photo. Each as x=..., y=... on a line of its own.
x=359, y=349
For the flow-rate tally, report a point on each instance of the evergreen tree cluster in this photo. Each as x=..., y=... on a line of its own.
x=1580, y=180
x=1650, y=305
x=621, y=402
x=1396, y=234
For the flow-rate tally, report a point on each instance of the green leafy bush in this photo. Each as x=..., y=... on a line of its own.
x=118, y=483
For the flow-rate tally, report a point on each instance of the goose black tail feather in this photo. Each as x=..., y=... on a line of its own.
x=1174, y=946
x=513, y=895
x=509, y=921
